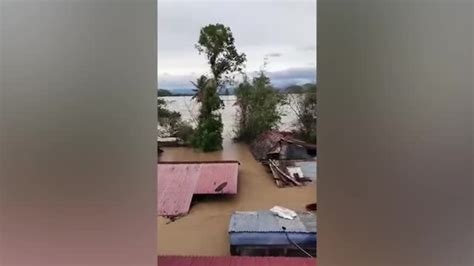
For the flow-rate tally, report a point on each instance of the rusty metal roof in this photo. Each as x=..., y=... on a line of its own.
x=272, y=142
x=179, y=181
x=234, y=260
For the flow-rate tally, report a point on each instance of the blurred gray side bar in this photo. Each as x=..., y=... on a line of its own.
x=395, y=179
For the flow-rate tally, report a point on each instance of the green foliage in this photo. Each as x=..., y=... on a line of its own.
x=164, y=93
x=217, y=43
x=184, y=131
x=208, y=135
x=305, y=107
x=201, y=83
x=167, y=118
x=172, y=123
x=258, y=103
x=294, y=89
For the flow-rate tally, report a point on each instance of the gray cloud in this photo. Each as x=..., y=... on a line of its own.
x=260, y=28
x=310, y=48
x=293, y=76
x=274, y=55
x=279, y=79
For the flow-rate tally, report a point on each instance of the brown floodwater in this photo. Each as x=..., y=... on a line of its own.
x=204, y=230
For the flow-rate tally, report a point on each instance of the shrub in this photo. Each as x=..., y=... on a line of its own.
x=258, y=107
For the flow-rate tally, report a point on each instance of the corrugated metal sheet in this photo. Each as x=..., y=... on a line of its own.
x=282, y=143
x=178, y=182
x=266, y=221
x=213, y=176
x=234, y=261
x=176, y=186
x=309, y=168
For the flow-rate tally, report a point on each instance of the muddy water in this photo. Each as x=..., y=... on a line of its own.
x=204, y=230
x=189, y=110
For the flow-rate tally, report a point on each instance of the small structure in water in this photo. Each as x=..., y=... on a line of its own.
x=281, y=146
x=170, y=142
x=263, y=233
x=292, y=162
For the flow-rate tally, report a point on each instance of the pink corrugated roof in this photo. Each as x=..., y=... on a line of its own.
x=178, y=181
x=234, y=261
x=216, y=175
x=176, y=185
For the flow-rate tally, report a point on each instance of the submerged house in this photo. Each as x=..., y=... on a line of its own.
x=292, y=162
x=281, y=146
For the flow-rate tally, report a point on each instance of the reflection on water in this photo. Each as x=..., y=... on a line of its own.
x=189, y=110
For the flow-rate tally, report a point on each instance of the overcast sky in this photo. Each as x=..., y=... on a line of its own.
x=282, y=31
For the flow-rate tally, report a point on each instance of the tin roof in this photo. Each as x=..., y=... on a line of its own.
x=271, y=142
x=217, y=178
x=176, y=185
x=234, y=260
x=179, y=181
x=266, y=221
x=309, y=168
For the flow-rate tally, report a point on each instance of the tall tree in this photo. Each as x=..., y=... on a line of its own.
x=217, y=43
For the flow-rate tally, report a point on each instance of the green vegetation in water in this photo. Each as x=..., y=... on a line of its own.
x=217, y=43
x=305, y=107
x=164, y=93
x=172, y=123
x=258, y=105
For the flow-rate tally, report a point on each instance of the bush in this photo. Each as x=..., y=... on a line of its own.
x=185, y=132
x=208, y=136
x=172, y=124
x=258, y=103
x=305, y=107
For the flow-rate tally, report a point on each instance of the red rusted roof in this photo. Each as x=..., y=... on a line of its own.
x=178, y=182
x=234, y=260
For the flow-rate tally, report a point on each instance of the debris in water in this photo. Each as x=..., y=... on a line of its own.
x=283, y=212
x=311, y=207
x=173, y=218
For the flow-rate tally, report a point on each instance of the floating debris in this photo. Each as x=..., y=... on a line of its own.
x=293, y=172
x=170, y=142
x=173, y=218
x=311, y=207
x=283, y=212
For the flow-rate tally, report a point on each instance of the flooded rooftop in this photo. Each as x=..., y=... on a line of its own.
x=204, y=230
